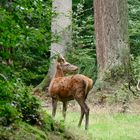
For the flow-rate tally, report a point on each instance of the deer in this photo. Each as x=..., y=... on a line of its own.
x=65, y=88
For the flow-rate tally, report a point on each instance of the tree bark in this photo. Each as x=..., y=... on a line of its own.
x=61, y=27
x=111, y=27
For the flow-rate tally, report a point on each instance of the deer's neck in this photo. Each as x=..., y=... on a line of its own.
x=59, y=73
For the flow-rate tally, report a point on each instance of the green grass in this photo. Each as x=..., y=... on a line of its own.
x=104, y=126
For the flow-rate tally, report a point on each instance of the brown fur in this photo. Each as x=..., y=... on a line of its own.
x=69, y=88
x=66, y=88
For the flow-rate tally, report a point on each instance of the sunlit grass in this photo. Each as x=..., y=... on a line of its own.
x=104, y=126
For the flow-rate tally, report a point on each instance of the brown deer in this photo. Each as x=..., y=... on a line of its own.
x=69, y=88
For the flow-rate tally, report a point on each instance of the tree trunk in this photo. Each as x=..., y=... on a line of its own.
x=61, y=28
x=111, y=27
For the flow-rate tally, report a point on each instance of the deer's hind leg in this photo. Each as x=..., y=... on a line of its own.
x=81, y=118
x=87, y=116
x=84, y=108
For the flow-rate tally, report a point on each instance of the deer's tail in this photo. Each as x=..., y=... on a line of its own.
x=88, y=84
x=85, y=87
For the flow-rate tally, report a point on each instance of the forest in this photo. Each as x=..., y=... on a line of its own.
x=65, y=63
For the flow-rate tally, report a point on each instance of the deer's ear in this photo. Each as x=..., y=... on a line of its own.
x=60, y=59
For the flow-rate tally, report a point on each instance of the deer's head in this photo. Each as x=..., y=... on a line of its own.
x=66, y=66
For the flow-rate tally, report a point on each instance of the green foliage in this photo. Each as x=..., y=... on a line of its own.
x=25, y=37
x=86, y=61
x=83, y=50
x=129, y=72
x=83, y=31
x=120, y=95
x=136, y=67
x=17, y=103
x=134, y=38
x=18, y=106
x=134, y=26
x=115, y=74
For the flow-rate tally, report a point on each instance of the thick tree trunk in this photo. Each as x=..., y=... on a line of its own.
x=61, y=27
x=111, y=27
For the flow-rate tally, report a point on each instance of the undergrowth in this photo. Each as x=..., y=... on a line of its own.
x=21, y=114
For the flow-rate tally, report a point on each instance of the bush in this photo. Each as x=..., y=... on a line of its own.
x=17, y=103
x=25, y=37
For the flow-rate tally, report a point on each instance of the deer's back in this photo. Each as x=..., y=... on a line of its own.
x=65, y=88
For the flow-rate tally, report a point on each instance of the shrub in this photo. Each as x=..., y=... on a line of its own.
x=25, y=37
x=17, y=103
